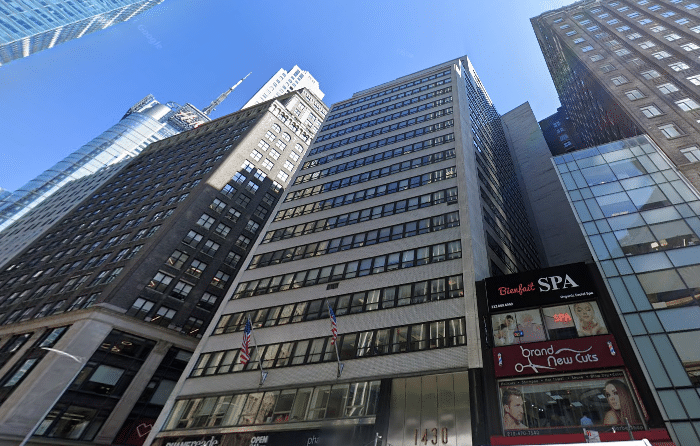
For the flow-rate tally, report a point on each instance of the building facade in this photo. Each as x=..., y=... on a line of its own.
x=407, y=196
x=284, y=81
x=120, y=288
x=641, y=220
x=624, y=68
x=32, y=25
x=21, y=222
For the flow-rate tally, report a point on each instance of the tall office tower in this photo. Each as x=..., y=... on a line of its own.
x=560, y=134
x=641, y=220
x=284, y=81
x=407, y=196
x=623, y=68
x=147, y=121
x=33, y=25
x=120, y=289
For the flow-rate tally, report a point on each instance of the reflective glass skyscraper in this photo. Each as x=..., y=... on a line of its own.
x=145, y=122
x=29, y=26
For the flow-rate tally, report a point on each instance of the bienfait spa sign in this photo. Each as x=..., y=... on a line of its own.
x=571, y=355
x=560, y=284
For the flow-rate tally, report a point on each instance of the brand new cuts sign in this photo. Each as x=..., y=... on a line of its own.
x=540, y=287
x=592, y=352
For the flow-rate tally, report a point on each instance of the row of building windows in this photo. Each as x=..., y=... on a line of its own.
x=348, y=270
x=390, y=128
x=389, y=99
x=363, y=301
x=79, y=303
x=384, y=341
x=347, y=400
x=353, y=241
x=370, y=159
x=392, y=90
x=367, y=194
x=389, y=140
x=391, y=107
x=392, y=169
x=396, y=207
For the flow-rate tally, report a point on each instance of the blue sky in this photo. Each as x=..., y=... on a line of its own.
x=54, y=101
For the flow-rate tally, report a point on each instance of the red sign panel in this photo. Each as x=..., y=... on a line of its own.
x=592, y=352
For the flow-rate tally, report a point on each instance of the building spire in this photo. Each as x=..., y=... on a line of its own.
x=215, y=103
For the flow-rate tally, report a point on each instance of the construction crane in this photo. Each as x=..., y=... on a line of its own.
x=215, y=103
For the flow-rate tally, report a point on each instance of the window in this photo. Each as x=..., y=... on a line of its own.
x=571, y=33
x=217, y=205
x=596, y=58
x=267, y=164
x=661, y=55
x=238, y=178
x=692, y=153
x=181, y=290
x=623, y=9
x=646, y=45
x=293, y=156
x=177, y=259
x=263, y=145
x=634, y=36
x=206, y=221
x=650, y=74
x=242, y=242
x=251, y=187
x=270, y=136
x=667, y=88
x=222, y=230
x=242, y=200
x=274, y=154
x=196, y=268
x=233, y=215
x=210, y=248
x=252, y=226
x=298, y=147
x=163, y=316
x=691, y=6
x=282, y=176
x=288, y=165
x=219, y=280
x=579, y=40
x=657, y=28
x=248, y=166
x=633, y=15
x=679, y=66
x=232, y=259
x=564, y=26
x=695, y=79
x=586, y=49
x=619, y=80
x=160, y=281
x=687, y=104
x=690, y=46
x=276, y=128
x=260, y=175
x=255, y=155
x=192, y=238
x=622, y=52
x=651, y=111
x=633, y=95
x=695, y=29
x=671, y=37
x=613, y=22
x=281, y=145
x=670, y=131
x=682, y=21
x=654, y=7
x=286, y=137
x=623, y=28
x=644, y=21
x=207, y=301
x=668, y=14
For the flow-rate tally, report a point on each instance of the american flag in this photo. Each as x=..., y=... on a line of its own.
x=245, y=347
x=334, y=325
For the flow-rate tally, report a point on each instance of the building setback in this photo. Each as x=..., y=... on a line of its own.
x=641, y=219
x=624, y=68
x=407, y=196
x=120, y=289
x=33, y=25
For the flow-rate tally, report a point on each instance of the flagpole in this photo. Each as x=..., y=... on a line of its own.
x=263, y=373
x=334, y=331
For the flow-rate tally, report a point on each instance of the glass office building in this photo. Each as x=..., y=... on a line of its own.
x=29, y=26
x=640, y=218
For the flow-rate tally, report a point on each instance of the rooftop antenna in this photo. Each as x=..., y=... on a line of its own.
x=215, y=103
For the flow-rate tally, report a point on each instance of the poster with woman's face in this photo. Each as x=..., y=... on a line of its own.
x=565, y=404
x=588, y=320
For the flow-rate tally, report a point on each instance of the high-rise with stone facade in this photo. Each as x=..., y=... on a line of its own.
x=29, y=26
x=100, y=314
x=406, y=198
x=627, y=67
